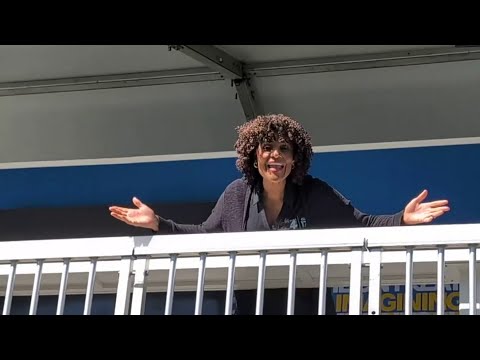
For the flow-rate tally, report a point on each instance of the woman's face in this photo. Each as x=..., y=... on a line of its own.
x=275, y=160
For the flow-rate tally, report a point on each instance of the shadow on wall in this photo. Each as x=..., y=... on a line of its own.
x=85, y=222
x=275, y=303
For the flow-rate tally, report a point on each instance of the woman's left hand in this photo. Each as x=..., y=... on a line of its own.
x=417, y=213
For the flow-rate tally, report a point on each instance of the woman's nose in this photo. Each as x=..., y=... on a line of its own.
x=275, y=153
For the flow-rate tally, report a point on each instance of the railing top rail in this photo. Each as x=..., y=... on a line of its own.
x=66, y=248
x=389, y=238
x=331, y=239
x=248, y=241
x=423, y=236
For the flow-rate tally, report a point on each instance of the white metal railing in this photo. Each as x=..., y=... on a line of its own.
x=132, y=263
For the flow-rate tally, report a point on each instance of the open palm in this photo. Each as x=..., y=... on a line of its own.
x=417, y=212
x=143, y=216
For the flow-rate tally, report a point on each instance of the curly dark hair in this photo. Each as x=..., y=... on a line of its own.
x=268, y=128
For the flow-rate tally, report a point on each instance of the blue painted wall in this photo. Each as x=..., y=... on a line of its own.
x=377, y=181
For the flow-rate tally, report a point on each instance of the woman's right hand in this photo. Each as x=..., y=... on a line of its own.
x=142, y=217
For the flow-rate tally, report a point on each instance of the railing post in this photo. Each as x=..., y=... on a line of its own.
x=465, y=286
x=36, y=288
x=408, y=280
x=356, y=294
x=124, y=288
x=10, y=285
x=375, y=282
x=200, y=284
x=292, y=277
x=230, y=283
x=440, y=280
x=140, y=267
x=322, y=282
x=261, y=283
x=62, y=291
x=171, y=284
x=472, y=280
x=92, y=273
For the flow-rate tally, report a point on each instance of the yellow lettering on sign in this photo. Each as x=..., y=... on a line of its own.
x=338, y=302
x=451, y=305
x=424, y=301
x=388, y=302
x=400, y=302
x=345, y=299
x=392, y=302
x=417, y=302
x=432, y=301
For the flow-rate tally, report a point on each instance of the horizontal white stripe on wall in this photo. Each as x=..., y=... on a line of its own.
x=232, y=154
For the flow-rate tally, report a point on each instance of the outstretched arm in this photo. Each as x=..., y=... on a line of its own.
x=143, y=216
x=212, y=224
x=342, y=212
x=414, y=213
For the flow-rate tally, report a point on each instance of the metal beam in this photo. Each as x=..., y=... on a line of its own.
x=229, y=67
x=214, y=58
x=109, y=81
x=365, y=61
x=248, y=98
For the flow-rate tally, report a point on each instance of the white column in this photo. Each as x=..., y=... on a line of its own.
x=464, y=305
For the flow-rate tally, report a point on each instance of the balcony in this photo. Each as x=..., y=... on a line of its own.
x=360, y=270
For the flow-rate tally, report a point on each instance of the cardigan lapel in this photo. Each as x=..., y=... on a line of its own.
x=246, y=207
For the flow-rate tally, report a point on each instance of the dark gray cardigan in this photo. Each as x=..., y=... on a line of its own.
x=314, y=203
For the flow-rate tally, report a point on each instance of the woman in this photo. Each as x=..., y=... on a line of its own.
x=276, y=192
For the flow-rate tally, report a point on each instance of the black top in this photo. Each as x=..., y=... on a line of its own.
x=312, y=205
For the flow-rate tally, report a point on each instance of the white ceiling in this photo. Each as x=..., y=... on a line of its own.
x=378, y=104
x=34, y=62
